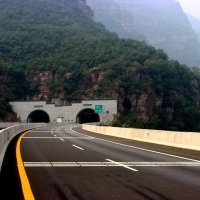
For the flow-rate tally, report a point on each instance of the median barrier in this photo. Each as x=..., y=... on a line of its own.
x=6, y=135
x=186, y=140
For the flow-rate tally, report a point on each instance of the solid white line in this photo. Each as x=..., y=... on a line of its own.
x=77, y=147
x=111, y=164
x=132, y=169
x=157, y=152
x=62, y=139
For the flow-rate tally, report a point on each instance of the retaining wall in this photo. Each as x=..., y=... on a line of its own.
x=6, y=135
x=186, y=140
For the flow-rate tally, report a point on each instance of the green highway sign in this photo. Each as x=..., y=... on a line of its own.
x=98, y=109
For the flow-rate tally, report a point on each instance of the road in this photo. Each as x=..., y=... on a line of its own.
x=63, y=163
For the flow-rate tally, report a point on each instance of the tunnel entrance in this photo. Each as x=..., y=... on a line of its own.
x=87, y=115
x=38, y=116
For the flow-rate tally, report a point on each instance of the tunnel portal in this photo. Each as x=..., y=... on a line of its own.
x=87, y=115
x=38, y=116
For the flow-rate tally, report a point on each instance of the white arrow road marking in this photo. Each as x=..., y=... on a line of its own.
x=117, y=163
x=77, y=147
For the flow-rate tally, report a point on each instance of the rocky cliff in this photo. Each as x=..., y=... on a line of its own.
x=42, y=82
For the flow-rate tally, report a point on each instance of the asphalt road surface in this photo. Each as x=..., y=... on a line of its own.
x=63, y=163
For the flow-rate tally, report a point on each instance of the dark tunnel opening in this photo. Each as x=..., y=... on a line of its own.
x=38, y=116
x=87, y=115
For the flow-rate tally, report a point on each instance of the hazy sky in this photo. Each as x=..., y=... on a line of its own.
x=191, y=7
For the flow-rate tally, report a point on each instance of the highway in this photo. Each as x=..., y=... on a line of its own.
x=66, y=162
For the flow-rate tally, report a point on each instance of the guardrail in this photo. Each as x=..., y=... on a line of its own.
x=6, y=135
x=185, y=140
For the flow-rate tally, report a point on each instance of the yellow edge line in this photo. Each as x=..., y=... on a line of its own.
x=26, y=188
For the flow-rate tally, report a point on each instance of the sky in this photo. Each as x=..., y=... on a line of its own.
x=191, y=7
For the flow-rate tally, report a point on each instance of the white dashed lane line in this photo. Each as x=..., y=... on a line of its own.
x=62, y=139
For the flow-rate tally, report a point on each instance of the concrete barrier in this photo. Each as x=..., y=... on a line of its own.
x=8, y=124
x=6, y=135
x=186, y=140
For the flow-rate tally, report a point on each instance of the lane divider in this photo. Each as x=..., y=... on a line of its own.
x=26, y=188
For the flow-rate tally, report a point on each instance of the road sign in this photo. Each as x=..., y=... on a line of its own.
x=98, y=109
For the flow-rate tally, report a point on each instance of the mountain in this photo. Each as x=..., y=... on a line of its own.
x=195, y=24
x=53, y=50
x=115, y=18
x=162, y=24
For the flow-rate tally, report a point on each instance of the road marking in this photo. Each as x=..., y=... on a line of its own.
x=77, y=147
x=111, y=164
x=55, y=135
x=157, y=152
x=117, y=163
x=62, y=139
x=26, y=188
x=40, y=131
x=52, y=130
x=82, y=134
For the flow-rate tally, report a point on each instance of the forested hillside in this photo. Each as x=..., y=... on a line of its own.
x=53, y=50
x=161, y=23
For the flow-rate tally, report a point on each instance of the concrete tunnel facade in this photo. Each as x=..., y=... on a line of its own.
x=83, y=112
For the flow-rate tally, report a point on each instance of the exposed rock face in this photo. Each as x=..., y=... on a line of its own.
x=3, y=85
x=10, y=117
x=142, y=104
x=42, y=81
x=85, y=8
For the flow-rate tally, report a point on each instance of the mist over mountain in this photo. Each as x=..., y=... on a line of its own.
x=195, y=24
x=115, y=18
x=163, y=24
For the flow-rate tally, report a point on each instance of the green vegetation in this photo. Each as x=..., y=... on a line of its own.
x=56, y=36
